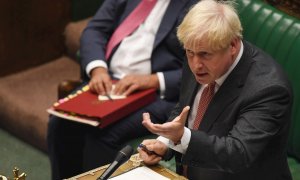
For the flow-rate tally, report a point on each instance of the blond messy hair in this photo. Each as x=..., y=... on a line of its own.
x=215, y=23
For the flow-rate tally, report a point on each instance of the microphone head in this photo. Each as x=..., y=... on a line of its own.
x=124, y=154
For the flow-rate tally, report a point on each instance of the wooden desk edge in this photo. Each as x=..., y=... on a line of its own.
x=95, y=173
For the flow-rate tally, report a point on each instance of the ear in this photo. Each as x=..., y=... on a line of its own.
x=235, y=46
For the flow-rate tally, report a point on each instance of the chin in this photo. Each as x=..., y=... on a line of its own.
x=200, y=81
x=204, y=79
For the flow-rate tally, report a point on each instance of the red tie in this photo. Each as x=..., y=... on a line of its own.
x=206, y=97
x=135, y=18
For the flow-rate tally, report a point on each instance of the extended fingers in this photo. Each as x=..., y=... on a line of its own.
x=131, y=89
x=146, y=117
x=122, y=86
x=131, y=83
x=147, y=122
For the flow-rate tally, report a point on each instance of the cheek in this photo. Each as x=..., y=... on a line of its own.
x=224, y=66
x=213, y=70
x=215, y=67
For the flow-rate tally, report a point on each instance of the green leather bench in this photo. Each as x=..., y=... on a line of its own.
x=278, y=34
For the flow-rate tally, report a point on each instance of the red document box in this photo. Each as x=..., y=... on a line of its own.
x=86, y=108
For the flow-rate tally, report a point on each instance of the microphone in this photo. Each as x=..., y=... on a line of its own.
x=122, y=156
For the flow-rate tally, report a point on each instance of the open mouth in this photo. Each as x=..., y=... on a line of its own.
x=201, y=74
x=202, y=77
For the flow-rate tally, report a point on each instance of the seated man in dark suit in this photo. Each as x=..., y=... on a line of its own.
x=148, y=57
x=233, y=116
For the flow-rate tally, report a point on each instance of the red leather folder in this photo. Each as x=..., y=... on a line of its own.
x=86, y=108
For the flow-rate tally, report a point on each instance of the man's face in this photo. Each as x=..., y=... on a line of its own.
x=206, y=65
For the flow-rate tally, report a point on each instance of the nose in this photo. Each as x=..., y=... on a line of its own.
x=197, y=62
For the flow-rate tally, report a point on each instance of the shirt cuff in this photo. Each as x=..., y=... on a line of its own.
x=94, y=64
x=162, y=84
x=184, y=141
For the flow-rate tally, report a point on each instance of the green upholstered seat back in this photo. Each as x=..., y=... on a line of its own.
x=278, y=34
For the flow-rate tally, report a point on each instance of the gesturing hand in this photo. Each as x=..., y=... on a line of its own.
x=172, y=130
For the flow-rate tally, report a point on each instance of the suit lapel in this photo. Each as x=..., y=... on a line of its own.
x=227, y=93
x=169, y=19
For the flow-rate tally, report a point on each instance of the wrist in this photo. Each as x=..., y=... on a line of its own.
x=178, y=140
x=153, y=81
x=98, y=70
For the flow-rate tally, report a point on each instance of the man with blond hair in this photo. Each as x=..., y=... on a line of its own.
x=233, y=116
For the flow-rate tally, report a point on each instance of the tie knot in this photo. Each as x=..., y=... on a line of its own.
x=211, y=86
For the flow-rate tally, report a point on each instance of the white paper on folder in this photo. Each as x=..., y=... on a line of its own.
x=112, y=96
x=143, y=173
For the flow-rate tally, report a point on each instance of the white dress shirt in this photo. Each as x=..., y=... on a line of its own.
x=137, y=58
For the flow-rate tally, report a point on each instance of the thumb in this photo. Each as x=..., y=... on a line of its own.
x=184, y=113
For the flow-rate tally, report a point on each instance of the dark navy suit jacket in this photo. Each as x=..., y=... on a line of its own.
x=167, y=56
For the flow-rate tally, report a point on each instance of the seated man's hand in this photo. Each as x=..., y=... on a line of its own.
x=172, y=130
x=155, y=146
x=131, y=83
x=100, y=82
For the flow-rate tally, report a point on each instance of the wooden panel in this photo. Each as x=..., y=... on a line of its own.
x=291, y=7
x=31, y=32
